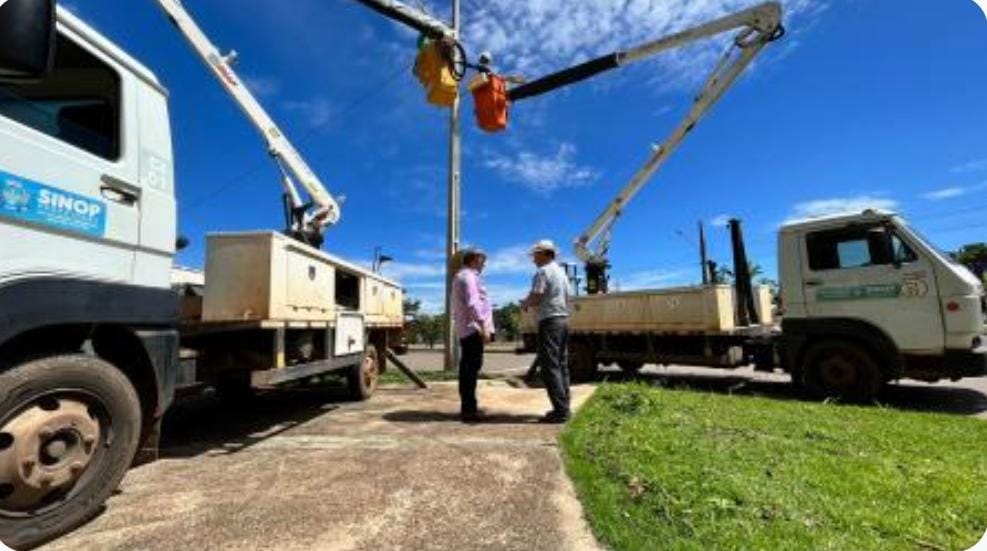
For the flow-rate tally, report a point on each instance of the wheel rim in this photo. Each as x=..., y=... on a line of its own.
x=837, y=371
x=44, y=450
x=369, y=370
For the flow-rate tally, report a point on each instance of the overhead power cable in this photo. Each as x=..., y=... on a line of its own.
x=205, y=198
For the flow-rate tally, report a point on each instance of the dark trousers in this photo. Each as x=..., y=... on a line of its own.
x=553, y=359
x=470, y=364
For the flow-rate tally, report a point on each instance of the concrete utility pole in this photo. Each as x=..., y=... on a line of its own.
x=452, y=224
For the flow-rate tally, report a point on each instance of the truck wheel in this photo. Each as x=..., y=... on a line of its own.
x=582, y=362
x=362, y=378
x=69, y=428
x=630, y=367
x=841, y=369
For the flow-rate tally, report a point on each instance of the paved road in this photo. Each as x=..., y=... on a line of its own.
x=302, y=470
x=305, y=470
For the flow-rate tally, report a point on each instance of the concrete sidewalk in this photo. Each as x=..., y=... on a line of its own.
x=295, y=471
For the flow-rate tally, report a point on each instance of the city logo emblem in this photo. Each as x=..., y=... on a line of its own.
x=15, y=196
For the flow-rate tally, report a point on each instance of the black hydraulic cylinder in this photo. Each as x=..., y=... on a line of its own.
x=703, y=259
x=565, y=77
x=746, y=309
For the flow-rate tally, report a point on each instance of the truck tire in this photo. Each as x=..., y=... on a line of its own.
x=362, y=378
x=582, y=362
x=69, y=429
x=841, y=369
x=630, y=367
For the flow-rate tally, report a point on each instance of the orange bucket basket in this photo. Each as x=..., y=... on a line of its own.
x=490, y=101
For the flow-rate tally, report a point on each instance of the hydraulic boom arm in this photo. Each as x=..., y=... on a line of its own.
x=760, y=25
x=307, y=221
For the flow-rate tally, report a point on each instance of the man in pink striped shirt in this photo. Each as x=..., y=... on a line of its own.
x=473, y=316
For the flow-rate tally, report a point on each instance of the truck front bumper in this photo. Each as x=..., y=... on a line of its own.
x=967, y=363
x=953, y=364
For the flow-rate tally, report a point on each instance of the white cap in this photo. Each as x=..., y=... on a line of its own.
x=545, y=245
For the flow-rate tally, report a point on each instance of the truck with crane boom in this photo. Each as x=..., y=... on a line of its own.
x=867, y=300
x=94, y=341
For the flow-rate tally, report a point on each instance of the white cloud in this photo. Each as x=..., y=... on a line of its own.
x=663, y=110
x=945, y=193
x=538, y=36
x=509, y=260
x=502, y=294
x=432, y=293
x=953, y=192
x=976, y=165
x=315, y=112
x=512, y=260
x=402, y=271
x=437, y=253
x=721, y=220
x=262, y=86
x=543, y=174
x=506, y=277
x=839, y=205
x=651, y=279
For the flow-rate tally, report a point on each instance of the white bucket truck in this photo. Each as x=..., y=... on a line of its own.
x=93, y=339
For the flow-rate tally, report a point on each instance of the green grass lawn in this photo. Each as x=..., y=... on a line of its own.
x=665, y=469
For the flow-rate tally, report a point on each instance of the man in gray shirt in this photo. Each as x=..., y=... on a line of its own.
x=549, y=294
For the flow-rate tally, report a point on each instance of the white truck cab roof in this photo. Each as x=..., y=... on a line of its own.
x=76, y=26
x=837, y=220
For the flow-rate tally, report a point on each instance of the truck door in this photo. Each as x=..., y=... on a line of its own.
x=68, y=203
x=870, y=273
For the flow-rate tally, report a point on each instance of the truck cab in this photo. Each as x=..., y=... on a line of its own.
x=867, y=299
x=88, y=334
x=90, y=327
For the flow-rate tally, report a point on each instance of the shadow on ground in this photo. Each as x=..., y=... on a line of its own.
x=205, y=423
x=414, y=416
x=906, y=396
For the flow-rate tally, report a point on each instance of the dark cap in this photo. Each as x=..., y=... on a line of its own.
x=471, y=254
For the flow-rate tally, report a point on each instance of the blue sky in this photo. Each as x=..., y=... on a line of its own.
x=864, y=103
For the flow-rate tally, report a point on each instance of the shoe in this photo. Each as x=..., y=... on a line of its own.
x=471, y=416
x=554, y=418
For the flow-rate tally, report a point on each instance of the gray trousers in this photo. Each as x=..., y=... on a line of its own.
x=553, y=359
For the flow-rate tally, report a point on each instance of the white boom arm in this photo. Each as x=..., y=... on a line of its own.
x=325, y=211
x=761, y=24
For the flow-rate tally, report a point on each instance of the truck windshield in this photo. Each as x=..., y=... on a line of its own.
x=919, y=236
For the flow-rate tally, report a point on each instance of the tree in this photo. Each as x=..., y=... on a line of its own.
x=722, y=274
x=974, y=257
x=430, y=328
x=412, y=307
x=508, y=321
x=412, y=320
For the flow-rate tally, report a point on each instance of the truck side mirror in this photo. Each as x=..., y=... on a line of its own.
x=27, y=39
x=881, y=246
